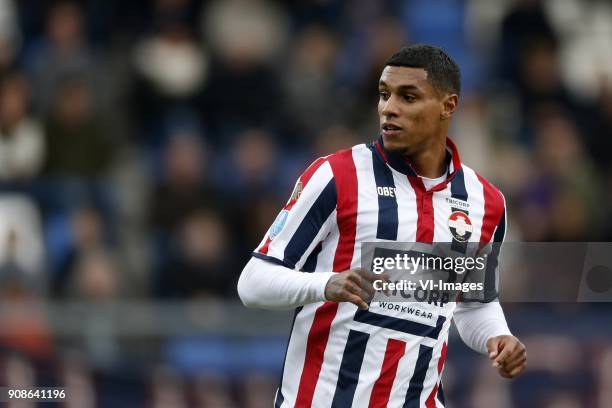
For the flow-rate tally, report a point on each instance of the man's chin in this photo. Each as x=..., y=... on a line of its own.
x=394, y=144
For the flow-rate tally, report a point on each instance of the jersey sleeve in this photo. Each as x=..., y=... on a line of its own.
x=304, y=221
x=478, y=322
x=492, y=271
x=489, y=276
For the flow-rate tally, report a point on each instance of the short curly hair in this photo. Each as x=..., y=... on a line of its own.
x=442, y=71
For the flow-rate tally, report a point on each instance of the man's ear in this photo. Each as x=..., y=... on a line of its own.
x=449, y=105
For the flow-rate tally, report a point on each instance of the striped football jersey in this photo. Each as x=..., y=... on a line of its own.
x=386, y=356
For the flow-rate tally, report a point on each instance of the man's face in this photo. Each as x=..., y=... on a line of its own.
x=410, y=109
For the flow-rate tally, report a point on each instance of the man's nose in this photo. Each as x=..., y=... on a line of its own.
x=390, y=107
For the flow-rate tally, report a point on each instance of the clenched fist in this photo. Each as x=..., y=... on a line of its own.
x=353, y=286
x=508, y=355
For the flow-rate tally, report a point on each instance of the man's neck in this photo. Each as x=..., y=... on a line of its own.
x=431, y=161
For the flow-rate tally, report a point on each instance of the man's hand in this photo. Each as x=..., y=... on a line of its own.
x=353, y=286
x=508, y=355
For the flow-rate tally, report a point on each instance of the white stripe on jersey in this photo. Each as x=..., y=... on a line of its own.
x=367, y=208
x=332, y=358
x=296, y=353
x=325, y=260
x=370, y=370
x=406, y=208
x=367, y=201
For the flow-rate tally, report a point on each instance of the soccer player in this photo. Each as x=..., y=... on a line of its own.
x=408, y=186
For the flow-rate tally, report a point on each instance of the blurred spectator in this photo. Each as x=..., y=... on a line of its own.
x=470, y=131
x=525, y=23
x=253, y=164
x=585, y=29
x=306, y=12
x=488, y=390
x=19, y=374
x=599, y=141
x=10, y=35
x=243, y=89
x=96, y=280
x=256, y=180
x=540, y=79
x=555, y=365
x=372, y=41
x=63, y=51
x=22, y=143
x=245, y=32
x=25, y=328
x=72, y=238
x=573, y=207
x=250, y=220
x=22, y=255
x=212, y=391
x=257, y=390
x=185, y=184
x=22, y=278
x=171, y=70
x=171, y=62
x=13, y=276
x=313, y=99
x=76, y=376
x=78, y=145
x=200, y=261
x=334, y=138
x=167, y=389
x=383, y=36
x=184, y=11
x=184, y=206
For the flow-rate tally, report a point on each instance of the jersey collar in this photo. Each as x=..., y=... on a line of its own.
x=399, y=163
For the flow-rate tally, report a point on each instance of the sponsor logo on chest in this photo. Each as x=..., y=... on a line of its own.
x=386, y=191
x=458, y=203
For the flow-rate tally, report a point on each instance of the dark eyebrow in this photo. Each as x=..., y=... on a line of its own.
x=402, y=88
x=405, y=88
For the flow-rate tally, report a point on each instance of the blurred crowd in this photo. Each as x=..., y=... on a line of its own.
x=146, y=146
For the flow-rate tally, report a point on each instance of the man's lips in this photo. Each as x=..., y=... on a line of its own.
x=390, y=129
